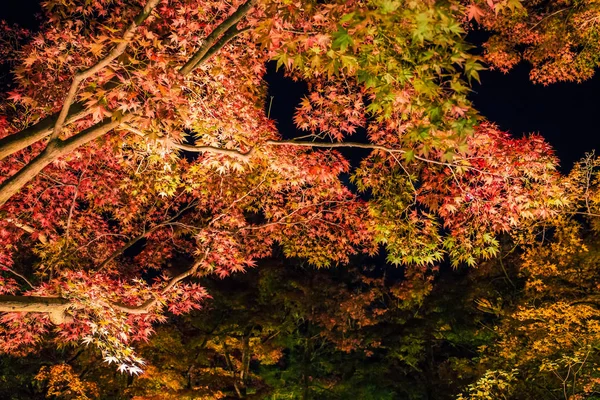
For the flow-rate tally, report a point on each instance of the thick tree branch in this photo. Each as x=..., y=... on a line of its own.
x=70, y=112
x=43, y=128
x=31, y=303
x=54, y=150
x=57, y=306
x=25, y=138
x=57, y=147
x=54, y=306
x=212, y=39
x=226, y=38
x=28, y=136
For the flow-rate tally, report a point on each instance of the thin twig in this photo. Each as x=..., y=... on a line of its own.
x=17, y=274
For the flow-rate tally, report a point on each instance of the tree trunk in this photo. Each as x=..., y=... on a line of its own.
x=233, y=371
x=245, y=358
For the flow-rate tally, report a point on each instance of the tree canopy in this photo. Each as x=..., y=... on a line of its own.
x=138, y=162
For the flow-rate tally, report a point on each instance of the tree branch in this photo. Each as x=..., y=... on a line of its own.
x=211, y=40
x=57, y=306
x=227, y=36
x=102, y=63
x=29, y=229
x=12, y=271
x=372, y=147
x=215, y=150
x=54, y=306
x=148, y=304
x=143, y=235
x=25, y=138
x=28, y=136
x=54, y=150
x=589, y=300
x=197, y=149
x=57, y=147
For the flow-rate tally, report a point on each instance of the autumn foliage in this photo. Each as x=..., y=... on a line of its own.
x=137, y=161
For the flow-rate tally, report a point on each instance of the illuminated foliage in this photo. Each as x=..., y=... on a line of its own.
x=559, y=38
x=63, y=383
x=136, y=157
x=549, y=335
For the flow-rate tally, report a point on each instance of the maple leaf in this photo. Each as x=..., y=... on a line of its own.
x=474, y=13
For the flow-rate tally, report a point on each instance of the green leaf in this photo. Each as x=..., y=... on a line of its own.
x=341, y=40
x=471, y=68
x=348, y=62
x=282, y=59
x=448, y=156
x=388, y=6
x=347, y=17
x=368, y=79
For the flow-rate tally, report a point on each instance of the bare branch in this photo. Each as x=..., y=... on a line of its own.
x=374, y=147
x=148, y=304
x=128, y=245
x=215, y=150
x=141, y=236
x=12, y=271
x=54, y=306
x=368, y=146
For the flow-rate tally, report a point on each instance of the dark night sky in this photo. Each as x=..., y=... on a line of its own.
x=565, y=114
x=20, y=11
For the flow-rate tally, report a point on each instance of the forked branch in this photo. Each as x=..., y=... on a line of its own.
x=71, y=111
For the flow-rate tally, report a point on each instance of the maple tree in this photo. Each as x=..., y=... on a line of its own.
x=558, y=38
x=547, y=335
x=136, y=153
